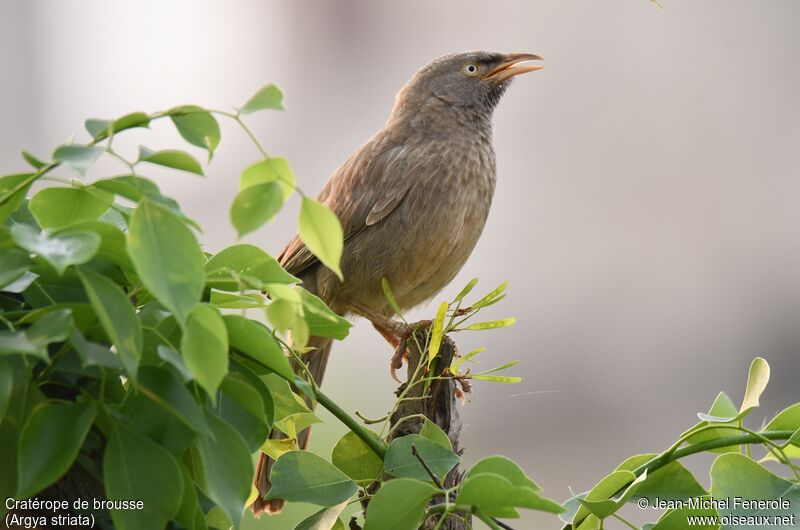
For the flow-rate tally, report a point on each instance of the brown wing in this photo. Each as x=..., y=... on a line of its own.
x=367, y=188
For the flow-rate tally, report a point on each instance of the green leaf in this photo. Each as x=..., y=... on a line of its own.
x=604, y=490
x=284, y=292
x=113, y=246
x=492, y=324
x=247, y=262
x=491, y=298
x=322, y=322
x=171, y=158
x=136, y=188
x=205, y=347
x=130, y=121
x=505, y=366
x=437, y=331
x=78, y=157
x=255, y=341
x=94, y=354
x=242, y=407
x=268, y=97
x=603, y=508
x=165, y=390
x=53, y=326
x=321, y=232
x=6, y=385
x=25, y=397
x=267, y=405
x=99, y=128
x=254, y=206
x=735, y=475
x=131, y=187
x=401, y=462
x=13, y=264
x=795, y=439
x=282, y=314
x=225, y=300
x=217, y=518
x=269, y=170
x=325, y=519
x=41, y=462
x=138, y=469
x=757, y=381
x=60, y=207
x=21, y=284
x=787, y=420
x=224, y=469
x=287, y=403
x=301, y=476
x=466, y=290
x=389, y=295
x=722, y=407
x=61, y=250
x=356, y=459
x=497, y=378
x=17, y=342
x=13, y=189
x=300, y=333
x=33, y=160
x=296, y=423
x=470, y=355
x=498, y=497
x=505, y=467
x=117, y=316
x=156, y=422
x=434, y=433
x=400, y=504
x=190, y=515
x=670, y=482
x=197, y=126
x=167, y=258
x=174, y=359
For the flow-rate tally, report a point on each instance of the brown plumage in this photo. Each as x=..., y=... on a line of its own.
x=412, y=201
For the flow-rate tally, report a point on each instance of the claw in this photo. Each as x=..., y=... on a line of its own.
x=388, y=335
x=400, y=353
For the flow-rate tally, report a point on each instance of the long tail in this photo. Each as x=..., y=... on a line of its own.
x=317, y=360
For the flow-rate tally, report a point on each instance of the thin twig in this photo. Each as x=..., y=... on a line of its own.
x=369, y=421
x=427, y=467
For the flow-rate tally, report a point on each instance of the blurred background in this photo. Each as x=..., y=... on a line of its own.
x=646, y=213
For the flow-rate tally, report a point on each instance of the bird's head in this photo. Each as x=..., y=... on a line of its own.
x=472, y=80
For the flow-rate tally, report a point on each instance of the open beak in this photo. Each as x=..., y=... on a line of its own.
x=514, y=65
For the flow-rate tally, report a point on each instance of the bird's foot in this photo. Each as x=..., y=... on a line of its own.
x=401, y=349
x=398, y=334
x=398, y=338
x=400, y=354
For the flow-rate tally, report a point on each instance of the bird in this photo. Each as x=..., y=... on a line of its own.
x=412, y=202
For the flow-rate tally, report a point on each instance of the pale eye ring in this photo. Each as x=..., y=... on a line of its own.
x=470, y=69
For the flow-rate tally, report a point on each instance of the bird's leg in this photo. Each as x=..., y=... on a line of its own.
x=401, y=346
x=399, y=343
x=391, y=338
x=385, y=324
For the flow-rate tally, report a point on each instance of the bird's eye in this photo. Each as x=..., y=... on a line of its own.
x=470, y=69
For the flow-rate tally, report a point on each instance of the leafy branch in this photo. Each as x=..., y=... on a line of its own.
x=135, y=349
